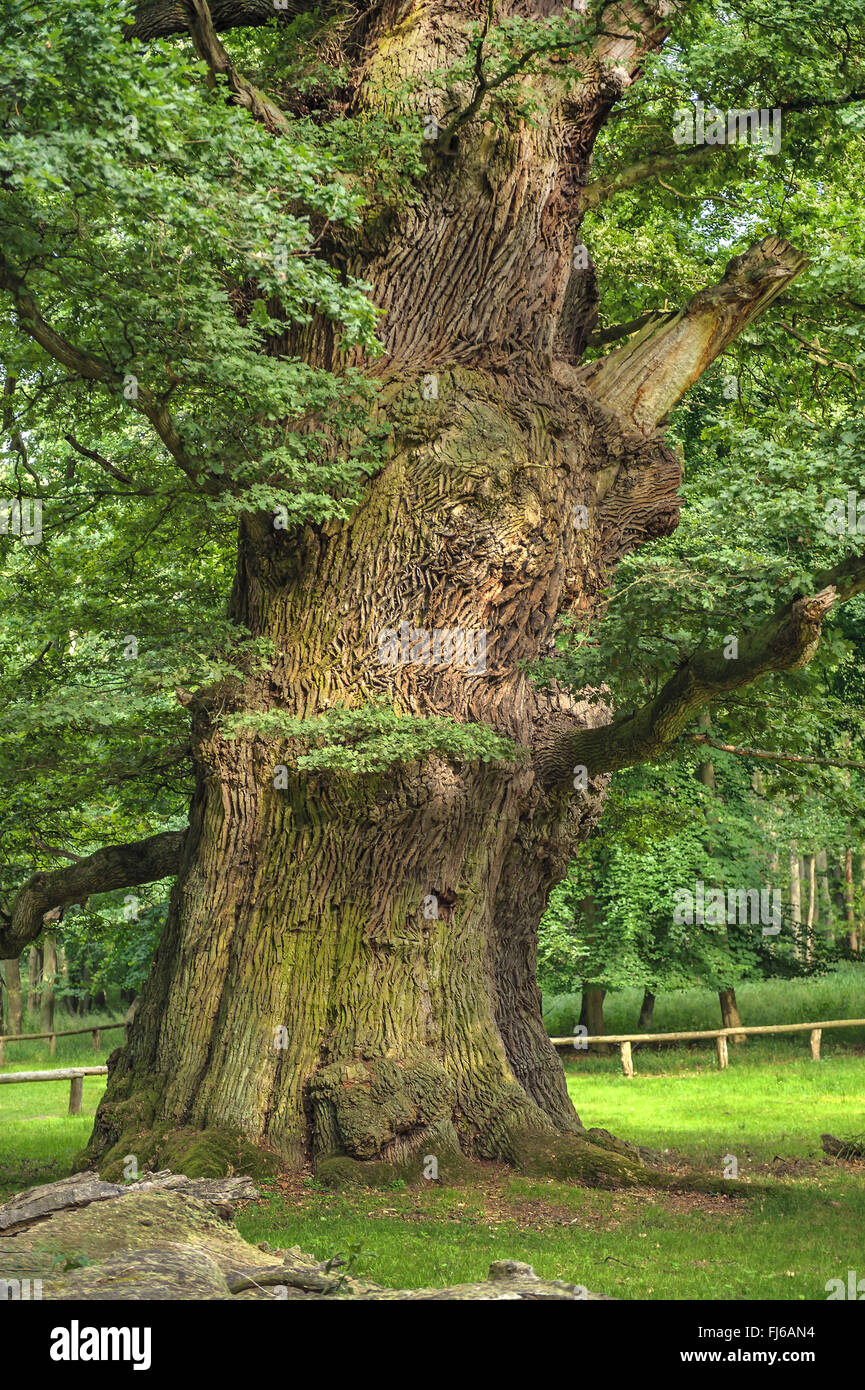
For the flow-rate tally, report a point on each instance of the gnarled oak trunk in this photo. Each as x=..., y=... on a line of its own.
x=348, y=969
x=349, y=963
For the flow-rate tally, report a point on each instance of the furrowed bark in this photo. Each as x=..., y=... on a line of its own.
x=115, y=866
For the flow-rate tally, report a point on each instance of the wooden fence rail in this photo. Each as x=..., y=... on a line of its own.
x=74, y=1075
x=719, y=1034
x=95, y=1034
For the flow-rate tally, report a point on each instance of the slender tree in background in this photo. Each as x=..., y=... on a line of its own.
x=12, y=980
x=381, y=805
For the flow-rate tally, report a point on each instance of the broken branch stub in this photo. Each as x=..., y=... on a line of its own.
x=646, y=378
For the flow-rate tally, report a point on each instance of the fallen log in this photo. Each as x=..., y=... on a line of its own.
x=167, y=1237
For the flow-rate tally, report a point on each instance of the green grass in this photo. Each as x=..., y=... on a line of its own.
x=771, y=1100
x=783, y=1247
x=37, y=1137
x=772, y=1103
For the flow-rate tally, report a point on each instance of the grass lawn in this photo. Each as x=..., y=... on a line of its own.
x=772, y=1100
x=768, y=1110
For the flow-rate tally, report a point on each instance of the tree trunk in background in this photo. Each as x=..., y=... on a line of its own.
x=826, y=913
x=727, y=997
x=85, y=1000
x=67, y=1000
x=647, y=1010
x=811, y=873
x=34, y=978
x=774, y=870
x=706, y=771
x=849, y=904
x=837, y=891
x=730, y=1016
x=49, y=976
x=795, y=899
x=12, y=974
x=802, y=951
x=593, y=997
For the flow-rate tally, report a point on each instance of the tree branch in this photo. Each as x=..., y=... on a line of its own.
x=109, y=467
x=743, y=752
x=668, y=160
x=664, y=162
x=208, y=47
x=115, y=866
x=820, y=355
x=646, y=378
x=159, y=19
x=627, y=330
x=84, y=364
x=784, y=642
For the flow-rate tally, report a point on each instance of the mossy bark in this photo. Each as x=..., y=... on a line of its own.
x=349, y=962
x=382, y=925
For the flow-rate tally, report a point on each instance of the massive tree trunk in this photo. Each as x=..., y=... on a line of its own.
x=348, y=968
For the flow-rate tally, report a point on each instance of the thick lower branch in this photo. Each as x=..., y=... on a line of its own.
x=115, y=866
x=159, y=19
x=787, y=640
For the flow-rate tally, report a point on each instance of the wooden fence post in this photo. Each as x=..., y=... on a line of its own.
x=76, y=1091
x=816, y=1035
x=722, y=1052
x=627, y=1059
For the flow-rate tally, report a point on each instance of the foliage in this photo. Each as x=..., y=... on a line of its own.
x=374, y=737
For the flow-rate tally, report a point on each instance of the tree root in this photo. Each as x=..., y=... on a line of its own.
x=198, y=1153
x=845, y=1149
x=596, y=1159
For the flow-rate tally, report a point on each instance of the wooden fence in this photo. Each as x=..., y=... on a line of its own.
x=95, y=1033
x=74, y=1075
x=719, y=1034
